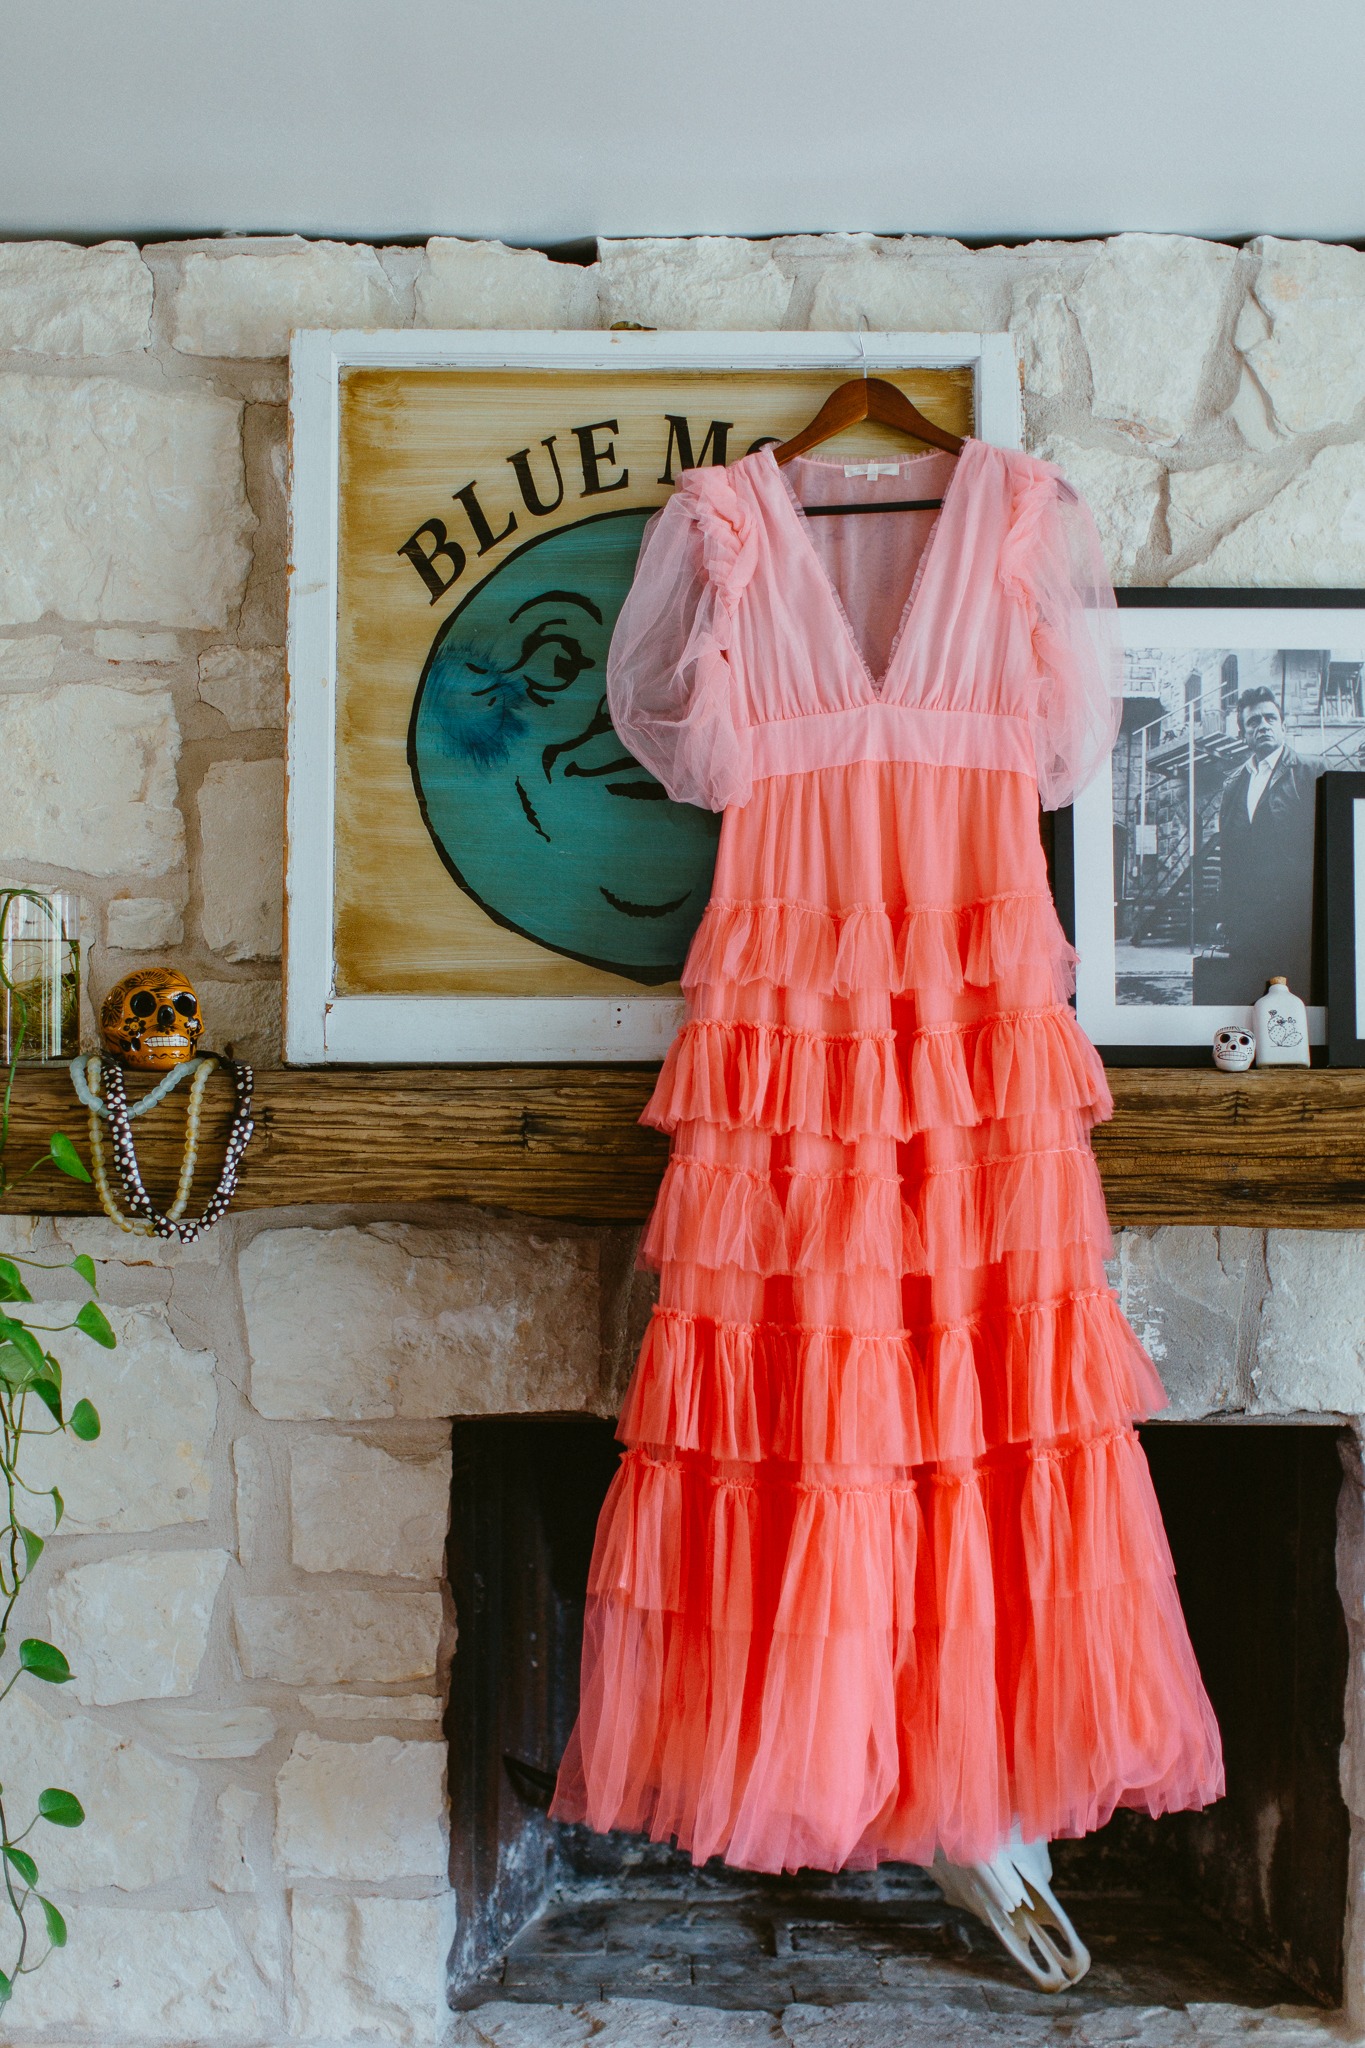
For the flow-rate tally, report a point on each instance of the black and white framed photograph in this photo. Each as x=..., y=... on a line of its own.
x=1190, y=866
x=1343, y=866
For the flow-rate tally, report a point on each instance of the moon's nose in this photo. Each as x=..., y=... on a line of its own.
x=165, y=1016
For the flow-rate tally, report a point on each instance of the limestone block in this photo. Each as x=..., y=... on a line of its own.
x=359, y=1706
x=1202, y=502
x=136, y=1626
x=368, y=1810
x=1310, y=1346
x=88, y=779
x=158, y=1404
x=319, y=1638
x=241, y=831
x=1121, y=491
x=141, y=1976
x=356, y=1508
x=246, y=684
x=889, y=287
x=60, y=300
x=207, y=1732
x=1047, y=336
x=251, y=1474
x=1253, y=415
x=30, y=660
x=142, y=924
x=506, y=2024
x=103, y=1241
x=647, y=2023
x=1150, y=309
x=371, y=1969
x=144, y=650
x=513, y=2025
x=229, y=1870
x=139, y=1827
x=1311, y=532
x=248, y=300
x=1182, y=1290
x=481, y=1319
x=705, y=281
x=1310, y=364
x=486, y=284
x=122, y=503
x=243, y=1018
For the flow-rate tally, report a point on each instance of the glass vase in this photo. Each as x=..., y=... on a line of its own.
x=40, y=974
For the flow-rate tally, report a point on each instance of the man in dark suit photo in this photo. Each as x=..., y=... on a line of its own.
x=1265, y=852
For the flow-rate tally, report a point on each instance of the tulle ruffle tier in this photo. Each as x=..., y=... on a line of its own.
x=945, y=1394
x=882, y=1572
x=790, y=1670
x=854, y=1084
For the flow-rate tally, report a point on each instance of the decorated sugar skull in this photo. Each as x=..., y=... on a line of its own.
x=1233, y=1049
x=150, y=1020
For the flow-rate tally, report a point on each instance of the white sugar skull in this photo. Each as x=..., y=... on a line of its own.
x=1233, y=1049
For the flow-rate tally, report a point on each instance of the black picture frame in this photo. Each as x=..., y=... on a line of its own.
x=1086, y=850
x=1343, y=867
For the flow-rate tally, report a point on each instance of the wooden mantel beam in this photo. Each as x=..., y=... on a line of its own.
x=1186, y=1145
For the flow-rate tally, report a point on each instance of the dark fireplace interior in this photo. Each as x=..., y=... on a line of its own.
x=1243, y=1903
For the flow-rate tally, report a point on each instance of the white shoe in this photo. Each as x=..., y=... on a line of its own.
x=1014, y=1896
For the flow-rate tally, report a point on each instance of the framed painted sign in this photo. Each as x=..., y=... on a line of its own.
x=477, y=870
x=1189, y=870
x=1343, y=826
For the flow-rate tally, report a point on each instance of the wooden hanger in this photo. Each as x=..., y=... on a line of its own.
x=870, y=398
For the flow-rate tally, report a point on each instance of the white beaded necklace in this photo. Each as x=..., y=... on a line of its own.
x=104, y=1094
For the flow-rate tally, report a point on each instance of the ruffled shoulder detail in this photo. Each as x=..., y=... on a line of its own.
x=1035, y=489
x=1052, y=565
x=729, y=533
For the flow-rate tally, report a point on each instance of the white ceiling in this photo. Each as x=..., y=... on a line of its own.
x=542, y=121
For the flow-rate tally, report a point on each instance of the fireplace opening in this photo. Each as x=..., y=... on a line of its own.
x=1243, y=1904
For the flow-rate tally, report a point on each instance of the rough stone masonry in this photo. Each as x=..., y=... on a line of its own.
x=250, y=1581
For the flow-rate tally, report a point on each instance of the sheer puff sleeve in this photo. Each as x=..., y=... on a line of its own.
x=670, y=687
x=1052, y=563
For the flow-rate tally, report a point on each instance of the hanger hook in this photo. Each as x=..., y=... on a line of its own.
x=862, y=346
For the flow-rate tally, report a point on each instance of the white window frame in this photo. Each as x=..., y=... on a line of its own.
x=321, y=1026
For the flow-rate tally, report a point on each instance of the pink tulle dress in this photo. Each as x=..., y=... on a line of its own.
x=882, y=1571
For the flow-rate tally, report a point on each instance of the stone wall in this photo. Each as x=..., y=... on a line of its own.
x=250, y=1578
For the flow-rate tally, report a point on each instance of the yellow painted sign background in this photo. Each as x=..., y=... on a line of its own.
x=412, y=442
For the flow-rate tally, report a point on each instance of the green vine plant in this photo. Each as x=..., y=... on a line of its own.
x=32, y=1404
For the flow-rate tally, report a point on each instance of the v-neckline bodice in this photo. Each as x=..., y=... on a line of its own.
x=879, y=687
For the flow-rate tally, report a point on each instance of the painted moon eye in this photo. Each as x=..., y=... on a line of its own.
x=142, y=1003
x=186, y=1004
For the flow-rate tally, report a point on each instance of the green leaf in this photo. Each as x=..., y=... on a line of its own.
x=58, y=1510
x=23, y=1863
x=12, y=1287
x=24, y=1342
x=15, y=1369
x=63, y=1809
x=33, y=1546
x=6, y=1989
x=85, y=1266
x=65, y=1157
x=45, y=1661
x=92, y=1320
x=56, y=1926
x=84, y=1422
x=51, y=1396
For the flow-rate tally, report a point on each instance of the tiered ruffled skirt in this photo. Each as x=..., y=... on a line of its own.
x=882, y=1572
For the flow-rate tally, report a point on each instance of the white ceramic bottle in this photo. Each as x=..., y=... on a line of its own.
x=1281, y=1027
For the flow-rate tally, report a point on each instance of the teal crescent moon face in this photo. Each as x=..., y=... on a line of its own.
x=535, y=806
